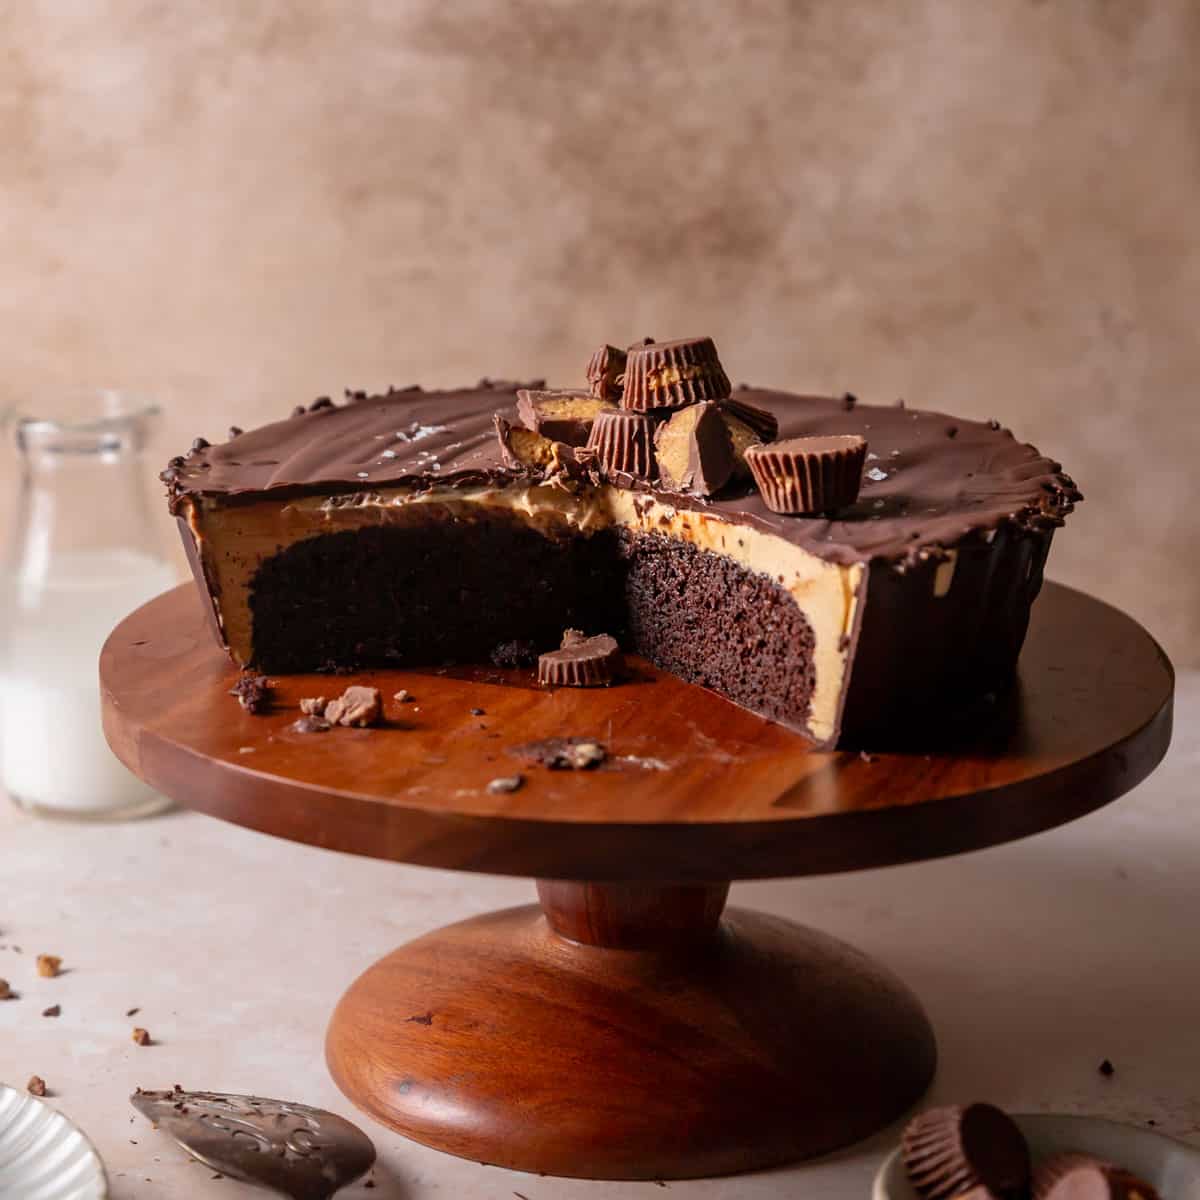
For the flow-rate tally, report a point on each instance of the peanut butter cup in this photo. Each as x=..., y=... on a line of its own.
x=561, y=416
x=623, y=443
x=582, y=662
x=604, y=374
x=695, y=450
x=951, y=1150
x=520, y=447
x=810, y=474
x=748, y=426
x=1071, y=1176
x=672, y=374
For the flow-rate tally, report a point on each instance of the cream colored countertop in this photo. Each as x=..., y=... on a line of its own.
x=1035, y=961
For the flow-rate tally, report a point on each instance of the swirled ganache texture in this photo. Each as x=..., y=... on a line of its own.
x=360, y=533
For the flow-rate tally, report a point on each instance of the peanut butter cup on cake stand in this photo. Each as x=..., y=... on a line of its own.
x=860, y=703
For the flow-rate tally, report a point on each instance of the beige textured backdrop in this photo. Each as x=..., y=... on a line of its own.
x=988, y=207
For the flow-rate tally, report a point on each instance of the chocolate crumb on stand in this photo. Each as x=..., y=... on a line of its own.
x=563, y=754
x=36, y=1086
x=6, y=992
x=360, y=706
x=140, y=1037
x=253, y=693
x=506, y=783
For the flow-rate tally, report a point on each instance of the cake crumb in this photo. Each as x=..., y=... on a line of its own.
x=1107, y=1069
x=140, y=1037
x=53, y=1011
x=404, y=696
x=313, y=705
x=359, y=706
x=313, y=724
x=49, y=965
x=253, y=693
x=563, y=754
x=506, y=783
x=477, y=712
x=36, y=1086
x=6, y=992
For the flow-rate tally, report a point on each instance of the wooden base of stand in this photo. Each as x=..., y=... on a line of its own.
x=630, y=1032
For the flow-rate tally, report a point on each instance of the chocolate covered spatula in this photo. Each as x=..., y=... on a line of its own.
x=306, y=1153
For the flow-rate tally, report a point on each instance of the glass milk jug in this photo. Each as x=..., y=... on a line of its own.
x=84, y=554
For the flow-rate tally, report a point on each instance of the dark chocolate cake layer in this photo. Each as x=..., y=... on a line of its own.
x=435, y=592
x=709, y=621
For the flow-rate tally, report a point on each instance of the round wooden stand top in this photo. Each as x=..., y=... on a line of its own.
x=696, y=790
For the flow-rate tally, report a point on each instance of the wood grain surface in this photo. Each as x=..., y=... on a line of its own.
x=499, y=1040
x=696, y=789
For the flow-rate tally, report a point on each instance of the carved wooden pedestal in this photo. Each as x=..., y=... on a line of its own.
x=621, y=1032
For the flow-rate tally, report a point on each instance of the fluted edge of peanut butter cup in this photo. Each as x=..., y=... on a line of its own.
x=623, y=442
x=805, y=476
x=581, y=662
x=954, y=1149
x=665, y=375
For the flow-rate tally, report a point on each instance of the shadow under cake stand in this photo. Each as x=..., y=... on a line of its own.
x=630, y=1026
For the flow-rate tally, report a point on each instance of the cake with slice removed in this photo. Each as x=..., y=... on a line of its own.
x=398, y=529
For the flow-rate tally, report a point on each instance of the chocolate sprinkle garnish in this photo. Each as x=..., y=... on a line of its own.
x=53, y=1011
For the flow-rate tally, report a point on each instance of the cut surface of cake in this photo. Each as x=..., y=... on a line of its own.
x=400, y=530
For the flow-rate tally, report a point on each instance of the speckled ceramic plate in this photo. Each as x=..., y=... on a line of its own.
x=42, y=1155
x=1173, y=1167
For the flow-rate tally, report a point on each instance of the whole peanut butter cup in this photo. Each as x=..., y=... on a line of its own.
x=582, y=662
x=808, y=475
x=672, y=374
x=562, y=416
x=623, y=443
x=952, y=1150
x=604, y=374
x=1071, y=1176
x=694, y=450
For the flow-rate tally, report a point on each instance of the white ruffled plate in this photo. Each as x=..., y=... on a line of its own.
x=42, y=1155
x=1173, y=1167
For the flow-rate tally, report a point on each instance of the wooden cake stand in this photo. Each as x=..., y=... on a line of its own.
x=630, y=1027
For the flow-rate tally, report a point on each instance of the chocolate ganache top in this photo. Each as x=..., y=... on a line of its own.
x=930, y=481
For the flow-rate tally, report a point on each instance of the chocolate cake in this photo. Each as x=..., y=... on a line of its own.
x=399, y=529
